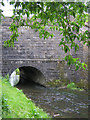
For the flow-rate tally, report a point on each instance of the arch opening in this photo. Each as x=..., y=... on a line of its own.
x=28, y=76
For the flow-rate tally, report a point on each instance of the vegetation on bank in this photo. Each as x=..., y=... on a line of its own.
x=82, y=85
x=73, y=86
x=16, y=105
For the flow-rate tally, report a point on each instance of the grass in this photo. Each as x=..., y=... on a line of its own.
x=16, y=105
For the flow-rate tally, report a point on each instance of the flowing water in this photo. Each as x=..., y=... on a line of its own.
x=59, y=103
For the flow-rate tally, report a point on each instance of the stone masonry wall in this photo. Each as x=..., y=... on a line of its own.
x=44, y=55
x=0, y=49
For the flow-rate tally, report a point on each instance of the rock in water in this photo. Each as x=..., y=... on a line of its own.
x=14, y=79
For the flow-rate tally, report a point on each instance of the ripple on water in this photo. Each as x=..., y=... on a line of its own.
x=62, y=103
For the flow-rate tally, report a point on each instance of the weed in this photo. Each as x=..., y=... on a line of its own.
x=73, y=86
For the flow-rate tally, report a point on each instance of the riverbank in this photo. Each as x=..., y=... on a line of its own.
x=16, y=105
x=61, y=84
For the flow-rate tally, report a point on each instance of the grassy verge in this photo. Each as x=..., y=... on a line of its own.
x=16, y=105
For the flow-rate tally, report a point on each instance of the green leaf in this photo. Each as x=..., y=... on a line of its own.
x=52, y=35
x=65, y=58
x=76, y=47
x=62, y=39
x=66, y=48
x=2, y=3
x=61, y=43
x=27, y=13
x=74, y=14
x=73, y=28
x=77, y=67
x=66, y=39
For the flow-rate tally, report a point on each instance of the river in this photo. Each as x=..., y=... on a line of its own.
x=59, y=103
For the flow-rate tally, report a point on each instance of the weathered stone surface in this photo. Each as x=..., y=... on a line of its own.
x=0, y=49
x=44, y=55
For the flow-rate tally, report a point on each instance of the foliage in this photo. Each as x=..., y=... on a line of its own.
x=5, y=108
x=17, y=71
x=82, y=85
x=1, y=15
x=66, y=17
x=75, y=61
x=7, y=77
x=73, y=86
x=16, y=105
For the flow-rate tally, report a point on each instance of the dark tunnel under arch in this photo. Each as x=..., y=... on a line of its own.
x=30, y=75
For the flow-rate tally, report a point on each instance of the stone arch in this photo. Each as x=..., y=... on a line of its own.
x=13, y=69
x=29, y=74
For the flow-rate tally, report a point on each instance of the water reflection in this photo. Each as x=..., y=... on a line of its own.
x=62, y=103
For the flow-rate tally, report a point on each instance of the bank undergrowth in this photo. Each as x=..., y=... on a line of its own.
x=80, y=86
x=16, y=105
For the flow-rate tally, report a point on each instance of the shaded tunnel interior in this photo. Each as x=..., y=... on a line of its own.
x=30, y=75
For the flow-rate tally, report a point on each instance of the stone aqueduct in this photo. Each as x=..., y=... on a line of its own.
x=40, y=55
